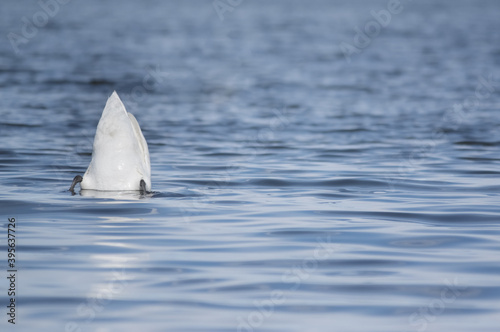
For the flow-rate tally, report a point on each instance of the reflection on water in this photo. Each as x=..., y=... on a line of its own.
x=117, y=195
x=112, y=284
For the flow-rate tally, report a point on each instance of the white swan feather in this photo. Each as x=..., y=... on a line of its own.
x=120, y=155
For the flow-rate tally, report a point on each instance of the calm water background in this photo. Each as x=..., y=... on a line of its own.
x=294, y=190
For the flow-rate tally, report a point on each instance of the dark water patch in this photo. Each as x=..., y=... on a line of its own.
x=101, y=81
x=216, y=183
x=351, y=182
x=111, y=211
x=189, y=282
x=297, y=233
x=327, y=183
x=431, y=241
x=333, y=196
x=487, y=159
x=20, y=125
x=161, y=269
x=34, y=248
x=477, y=143
x=158, y=194
x=223, y=154
x=349, y=88
x=276, y=183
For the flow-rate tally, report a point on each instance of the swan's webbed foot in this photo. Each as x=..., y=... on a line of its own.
x=142, y=187
x=76, y=180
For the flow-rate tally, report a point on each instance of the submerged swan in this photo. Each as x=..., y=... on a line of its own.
x=120, y=156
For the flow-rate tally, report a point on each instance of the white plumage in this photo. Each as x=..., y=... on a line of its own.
x=120, y=156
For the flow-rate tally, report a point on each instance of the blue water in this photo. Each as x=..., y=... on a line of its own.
x=295, y=188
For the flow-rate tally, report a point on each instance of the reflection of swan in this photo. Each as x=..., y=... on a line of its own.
x=120, y=156
x=124, y=195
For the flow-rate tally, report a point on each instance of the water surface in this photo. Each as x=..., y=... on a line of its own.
x=293, y=190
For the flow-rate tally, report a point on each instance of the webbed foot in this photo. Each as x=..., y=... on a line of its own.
x=142, y=187
x=76, y=180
